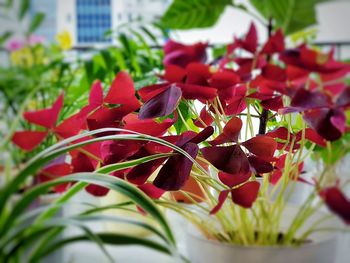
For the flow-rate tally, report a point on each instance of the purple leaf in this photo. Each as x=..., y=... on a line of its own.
x=162, y=104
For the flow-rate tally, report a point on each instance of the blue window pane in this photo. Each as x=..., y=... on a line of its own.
x=93, y=20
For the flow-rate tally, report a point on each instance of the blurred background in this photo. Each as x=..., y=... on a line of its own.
x=90, y=22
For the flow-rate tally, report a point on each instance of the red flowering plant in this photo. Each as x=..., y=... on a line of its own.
x=199, y=123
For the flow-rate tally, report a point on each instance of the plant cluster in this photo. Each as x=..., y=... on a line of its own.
x=202, y=115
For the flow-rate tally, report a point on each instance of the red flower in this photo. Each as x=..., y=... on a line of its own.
x=182, y=55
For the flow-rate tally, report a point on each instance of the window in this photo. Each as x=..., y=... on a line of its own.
x=93, y=20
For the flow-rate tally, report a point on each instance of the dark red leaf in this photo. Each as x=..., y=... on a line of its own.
x=47, y=117
x=116, y=151
x=222, y=197
x=236, y=106
x=182, y=55
x=97, y=190
x=321, y=121
x=337, y=202
x=140, y=173
x=246, y=194
x=174, y=73
x=262, y=146
x=176, y=170
x=149, y=126
x=162, y=104
x=148, y=92
x=232, y=180
x=230, y=132
x=122, y=90
x=205, y=117
x=28, y=140
x=192, y=92
x=312, y=136
x=229, y=159
x=96, y=94
x=259, y=166
x=275, y=43
x=151, y=190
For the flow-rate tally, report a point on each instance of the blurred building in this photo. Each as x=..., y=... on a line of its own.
x=89, y=20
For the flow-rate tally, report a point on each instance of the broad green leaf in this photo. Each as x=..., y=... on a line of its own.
x=262, y=7
x=290, y=15
x=185, y=14
x=36, y=22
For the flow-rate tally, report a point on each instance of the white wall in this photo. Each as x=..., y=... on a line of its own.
x=66, y=17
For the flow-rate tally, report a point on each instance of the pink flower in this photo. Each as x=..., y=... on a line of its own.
x=15, y=44
x=34, y=40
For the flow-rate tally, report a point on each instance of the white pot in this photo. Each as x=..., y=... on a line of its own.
x=322, y=249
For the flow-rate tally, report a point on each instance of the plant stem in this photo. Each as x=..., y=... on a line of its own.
x=265, y=113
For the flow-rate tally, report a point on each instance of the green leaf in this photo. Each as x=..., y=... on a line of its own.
x=185, y=14
x=36, y=22
x=112, y=239
x=180, y=126
x=23, y=8
x=261, y=7
x=290, y=15
x=99, y=179
x=3, y=37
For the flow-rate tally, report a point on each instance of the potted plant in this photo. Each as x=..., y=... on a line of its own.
x=206, y=112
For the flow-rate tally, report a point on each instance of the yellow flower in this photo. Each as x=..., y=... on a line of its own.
x=64, y=40
x=22, y=57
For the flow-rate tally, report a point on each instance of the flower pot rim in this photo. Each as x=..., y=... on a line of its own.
x=198, y=236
